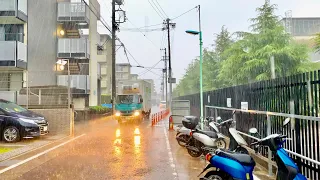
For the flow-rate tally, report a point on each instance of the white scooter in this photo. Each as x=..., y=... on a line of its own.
x=202, y=142
x=183, y=133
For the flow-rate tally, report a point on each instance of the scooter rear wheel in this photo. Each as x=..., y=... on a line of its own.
x=242, y=150
x=217, y=175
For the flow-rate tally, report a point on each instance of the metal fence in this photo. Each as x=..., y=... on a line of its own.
x=298, y=94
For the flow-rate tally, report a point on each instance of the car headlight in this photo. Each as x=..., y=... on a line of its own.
x=27, y=120
x=137, y=113
x=118, y=114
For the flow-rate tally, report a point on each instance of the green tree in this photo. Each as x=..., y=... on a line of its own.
x=317, y=43
x=248, y=59
x=212, y=59
x=223, y=41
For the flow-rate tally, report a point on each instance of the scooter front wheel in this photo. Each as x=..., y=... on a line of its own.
x=194, y=153
x=217, y=175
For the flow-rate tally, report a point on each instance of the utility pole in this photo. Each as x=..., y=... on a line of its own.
x=165, y=74
x=168, y=24
x=115, y=27
x=113, y=62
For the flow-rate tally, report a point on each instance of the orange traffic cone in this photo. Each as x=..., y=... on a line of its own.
x=170, y=123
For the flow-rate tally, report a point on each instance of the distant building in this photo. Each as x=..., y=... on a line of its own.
x=123, y=71
x=303, y=31
x=133, y=76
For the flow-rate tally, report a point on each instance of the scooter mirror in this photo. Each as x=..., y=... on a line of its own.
x=253, y=130
x=286, y=121
x=218, y=119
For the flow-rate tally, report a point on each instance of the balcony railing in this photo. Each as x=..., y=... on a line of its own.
x=12, y=37
x=77, y=12
x=16, y=8
x=74, y=48
x=77, y=81
x=13, y=53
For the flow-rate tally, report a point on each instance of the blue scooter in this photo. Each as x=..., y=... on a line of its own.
x=230, y=165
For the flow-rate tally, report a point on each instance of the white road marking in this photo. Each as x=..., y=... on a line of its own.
x=38, y=155
x=175, y=174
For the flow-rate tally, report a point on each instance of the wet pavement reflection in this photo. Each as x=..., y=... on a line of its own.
x=112, y=151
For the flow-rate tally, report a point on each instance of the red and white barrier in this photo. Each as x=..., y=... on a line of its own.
x=155, y=118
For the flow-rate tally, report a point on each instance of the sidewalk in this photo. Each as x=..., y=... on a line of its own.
x=27, y=145
x=189, y=168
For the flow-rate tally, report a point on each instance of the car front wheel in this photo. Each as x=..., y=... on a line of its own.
x=11, y=134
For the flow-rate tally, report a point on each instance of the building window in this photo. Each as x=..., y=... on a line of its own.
x=119, y=68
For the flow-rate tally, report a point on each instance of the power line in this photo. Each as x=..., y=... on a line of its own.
x=155, y=10
x=141, y=30
x=150, y=26
x=149, y=69
x=144, y=35
x=106, y=26
x=161, y=8
x=184, y=13
x=126, y=50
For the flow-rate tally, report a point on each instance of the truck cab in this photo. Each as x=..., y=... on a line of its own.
x=129, y=107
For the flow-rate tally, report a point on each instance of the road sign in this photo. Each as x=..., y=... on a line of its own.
x=172, y=80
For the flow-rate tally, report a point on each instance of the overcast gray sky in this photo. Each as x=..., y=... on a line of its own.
x=214, y=14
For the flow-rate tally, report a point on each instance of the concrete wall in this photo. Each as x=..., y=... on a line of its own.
x=79, y=103
x=42, y=48
x=59, y=119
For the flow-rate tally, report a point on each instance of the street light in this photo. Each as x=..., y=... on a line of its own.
x=61, y=63
x=62, y=32
x=192, y=32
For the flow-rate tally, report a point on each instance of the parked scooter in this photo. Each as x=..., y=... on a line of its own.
x=287, y=169
x=232, y=165
x=202, y=142
x=183, y=133
x=241, y=143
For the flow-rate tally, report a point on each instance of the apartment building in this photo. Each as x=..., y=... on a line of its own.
x=36, y=34
x=104, y=60
x=13, y=46
x=303, y=31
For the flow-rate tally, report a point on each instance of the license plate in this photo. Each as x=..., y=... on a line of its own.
x=45, y=128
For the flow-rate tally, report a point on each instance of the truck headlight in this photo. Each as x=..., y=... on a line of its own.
x=118, y=114
x=137, y=113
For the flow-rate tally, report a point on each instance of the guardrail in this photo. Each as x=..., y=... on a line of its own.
x=304, y=130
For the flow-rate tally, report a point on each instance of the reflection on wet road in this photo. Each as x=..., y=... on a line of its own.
x=107, y=151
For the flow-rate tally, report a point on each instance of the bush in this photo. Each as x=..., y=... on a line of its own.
x=99, y=110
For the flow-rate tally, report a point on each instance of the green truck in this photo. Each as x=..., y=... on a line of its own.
x=133, y=102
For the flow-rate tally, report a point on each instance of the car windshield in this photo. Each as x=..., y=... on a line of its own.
x=127, y=99
x=11, y=107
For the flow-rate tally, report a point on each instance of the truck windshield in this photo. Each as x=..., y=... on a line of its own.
x=127, y=99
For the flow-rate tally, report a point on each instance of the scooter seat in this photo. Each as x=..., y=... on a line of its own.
x=243, y=159
x=209, y=133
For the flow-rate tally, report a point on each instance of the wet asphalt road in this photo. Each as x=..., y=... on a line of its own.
x=106, y=151
x=103, y=149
